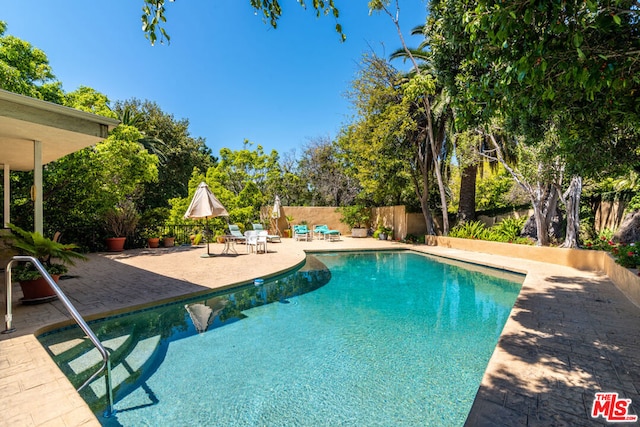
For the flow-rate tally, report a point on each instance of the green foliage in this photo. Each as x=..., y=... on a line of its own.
x=25, y=69
x=627, y=255
x=325, y=168
x=242, y=181
x=44, y=249
x=123, y=164
x=121, y=221
x=169, y=139
x=378, y=146
x=355, y=216
x=602, y=242
x=470, y=230
x=509, y=229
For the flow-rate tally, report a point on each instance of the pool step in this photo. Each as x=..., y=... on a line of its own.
x=79, y=359
x=130, y=367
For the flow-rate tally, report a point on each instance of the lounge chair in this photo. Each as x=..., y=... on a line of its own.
x=270, y=237
x=235, y=232
x=326, y=233
x=301, y=232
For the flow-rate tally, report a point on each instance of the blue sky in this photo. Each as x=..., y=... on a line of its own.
x=231, y=75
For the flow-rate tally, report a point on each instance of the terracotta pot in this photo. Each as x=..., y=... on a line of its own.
x=115, y=244
x=168, y=242
x=38, y=290
x=153, y=242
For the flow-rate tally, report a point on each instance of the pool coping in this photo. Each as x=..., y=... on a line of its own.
x=26, y=371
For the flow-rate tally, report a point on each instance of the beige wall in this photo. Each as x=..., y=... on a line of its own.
x=394, y=217
x=582, y=259
x=313, y=215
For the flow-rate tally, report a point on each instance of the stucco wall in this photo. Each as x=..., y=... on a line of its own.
x=394, y=217
x=313, y=215
x=587, y=260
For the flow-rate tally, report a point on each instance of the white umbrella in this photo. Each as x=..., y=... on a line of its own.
x=204, y=205
x=276, y=213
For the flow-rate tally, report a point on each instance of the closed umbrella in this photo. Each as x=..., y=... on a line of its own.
x=276, y=213
x=204, y=205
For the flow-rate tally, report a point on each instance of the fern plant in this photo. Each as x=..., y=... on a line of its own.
x=470, y=230
x=509, y=229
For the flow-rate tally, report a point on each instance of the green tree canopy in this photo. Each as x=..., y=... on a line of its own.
x=25, y=69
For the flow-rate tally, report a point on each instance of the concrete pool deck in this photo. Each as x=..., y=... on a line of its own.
x=570, y=334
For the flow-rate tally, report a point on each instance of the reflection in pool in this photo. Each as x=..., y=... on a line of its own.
x=375, y=338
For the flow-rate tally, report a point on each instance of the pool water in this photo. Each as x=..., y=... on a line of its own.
x=369, y=338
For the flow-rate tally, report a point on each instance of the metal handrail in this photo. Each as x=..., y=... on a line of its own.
x=106, y=362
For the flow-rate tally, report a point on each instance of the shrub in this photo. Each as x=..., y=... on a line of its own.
x=470, y=230
x=508, y=230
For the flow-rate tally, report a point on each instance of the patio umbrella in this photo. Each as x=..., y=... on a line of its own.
x=204, y=205
x=276, y=213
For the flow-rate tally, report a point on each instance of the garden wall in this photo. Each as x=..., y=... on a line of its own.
x=394, y=217
x=625, y=279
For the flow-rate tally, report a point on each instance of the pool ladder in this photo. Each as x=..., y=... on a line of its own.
x=106, y=363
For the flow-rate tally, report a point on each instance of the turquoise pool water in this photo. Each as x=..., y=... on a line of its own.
x=361, y=339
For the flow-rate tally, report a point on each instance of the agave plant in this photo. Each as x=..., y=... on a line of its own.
x=34, y=244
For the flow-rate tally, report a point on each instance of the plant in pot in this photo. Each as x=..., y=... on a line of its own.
x=34, y=287
x=196, y=236
x=169, y=239
x=287, y=232
x=120, y=222
x=382, y=233
x=153, y=237
x=356, y=217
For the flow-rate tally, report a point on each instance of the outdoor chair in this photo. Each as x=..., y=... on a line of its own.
x=326, y=233
x=234, y=231
x=301, y=232
x=270, y=237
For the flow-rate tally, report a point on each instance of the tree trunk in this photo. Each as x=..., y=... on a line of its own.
x=572, y=204
x=467, y=205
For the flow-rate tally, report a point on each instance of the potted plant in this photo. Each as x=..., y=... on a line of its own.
x=382, y=233
x=120, y=222
x=287, y=232
x=356, y=217
x=153, y=237
x=196, y=238
x=34, y=287
x=169, y=239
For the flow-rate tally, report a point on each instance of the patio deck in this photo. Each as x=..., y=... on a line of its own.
x=570, y=334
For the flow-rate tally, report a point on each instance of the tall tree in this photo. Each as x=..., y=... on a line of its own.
x=538, y=64
x=25, y=69
x=420, y=90
x=170, y=140
x=387, y=142
x=322, y=166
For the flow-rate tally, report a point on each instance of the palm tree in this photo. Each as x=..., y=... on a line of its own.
x=130, y=117
x=438, y=126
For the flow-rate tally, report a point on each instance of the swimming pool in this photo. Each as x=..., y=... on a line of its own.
x=368, y=338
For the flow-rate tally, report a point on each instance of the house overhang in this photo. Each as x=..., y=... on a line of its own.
x=61, y=130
